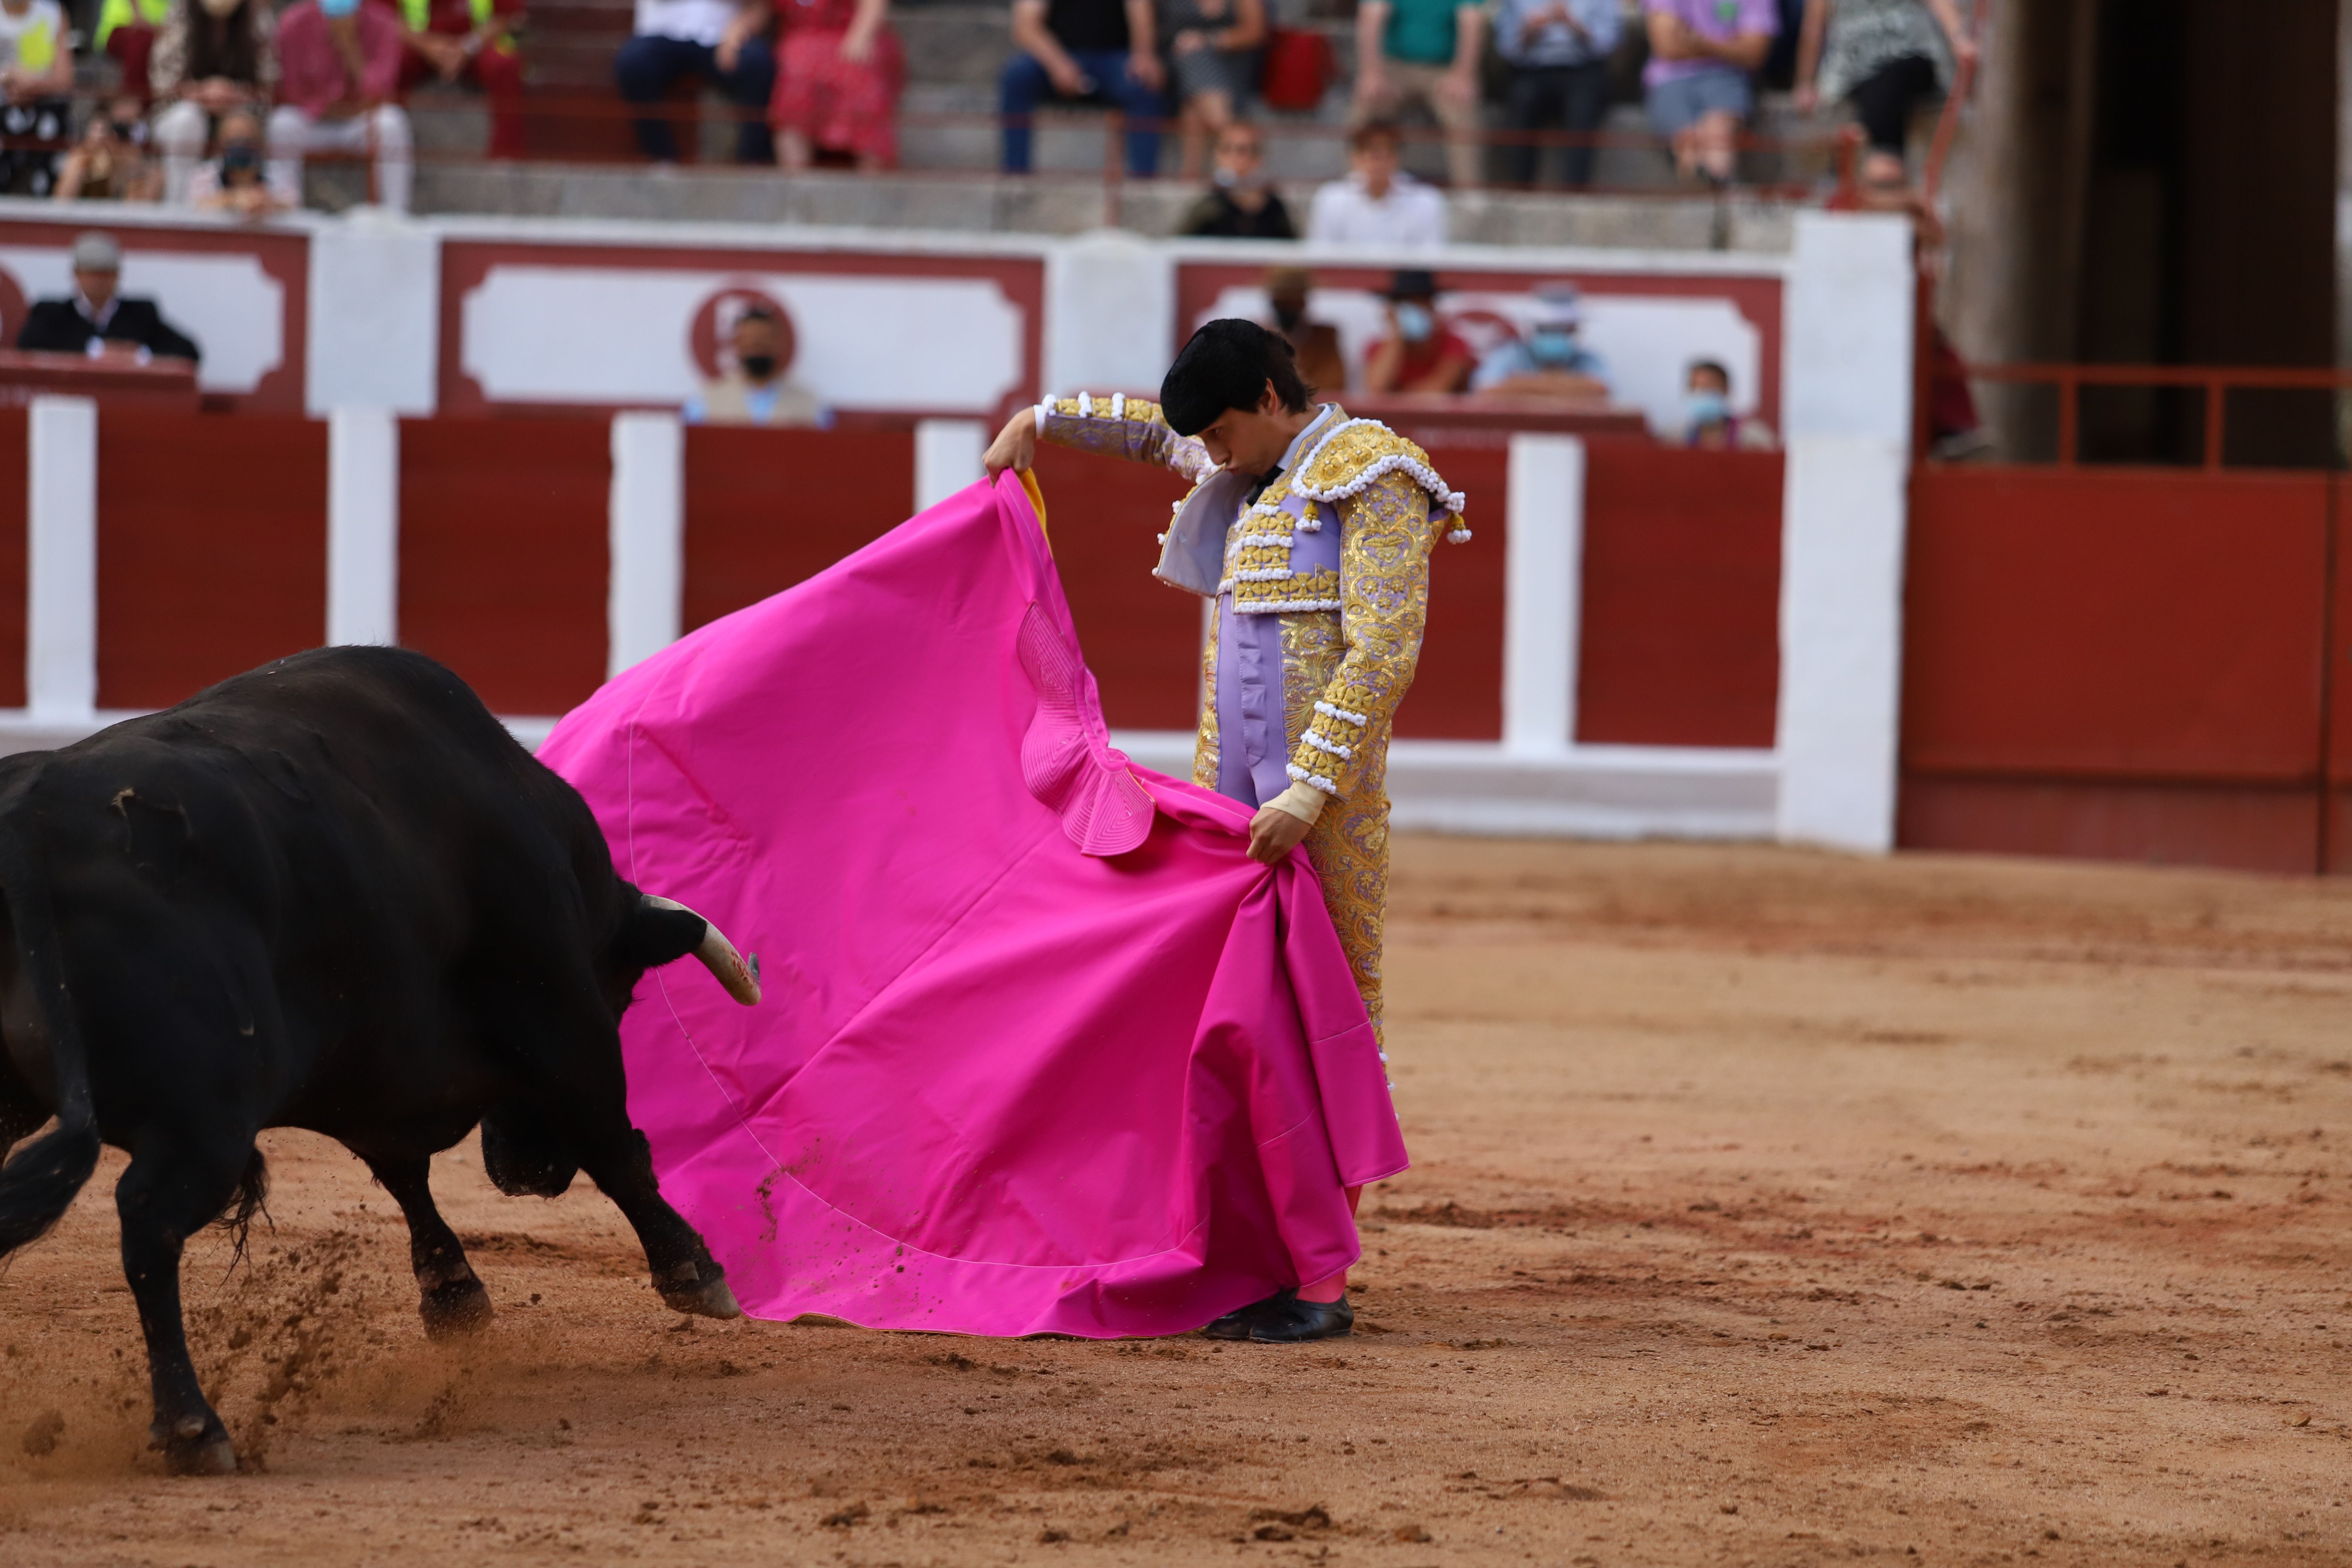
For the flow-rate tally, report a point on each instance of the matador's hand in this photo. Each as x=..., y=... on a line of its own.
x=1275, y=833
x=1016, y=446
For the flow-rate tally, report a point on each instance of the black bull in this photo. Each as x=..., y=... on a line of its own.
x=332, y=894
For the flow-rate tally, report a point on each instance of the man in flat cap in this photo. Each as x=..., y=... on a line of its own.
x=96, y=320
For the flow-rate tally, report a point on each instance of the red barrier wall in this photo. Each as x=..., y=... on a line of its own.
x=767, y=509
x=2115, y=663
x=503, y=559
x=212, y=549
x=12, y=480
x=1680, y=632
x=1142, y=637
x=1457, y=689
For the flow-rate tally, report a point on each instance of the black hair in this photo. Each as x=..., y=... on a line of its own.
x=755, y=313
x=1377, y=129
x=1227, y=364
x=1698, y=365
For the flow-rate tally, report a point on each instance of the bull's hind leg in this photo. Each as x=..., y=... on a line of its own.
x=173, y=1188
x=452, y=1299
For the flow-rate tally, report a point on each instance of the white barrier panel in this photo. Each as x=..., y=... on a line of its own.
x=1542, y=594
x=363, y=526
x=646, y=598
x=61, y=559
x=948, y=456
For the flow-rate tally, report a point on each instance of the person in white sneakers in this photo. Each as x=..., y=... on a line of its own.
x=339, y=91
x=1378, y=203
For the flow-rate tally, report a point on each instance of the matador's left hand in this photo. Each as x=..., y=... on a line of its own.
x=1275, y=833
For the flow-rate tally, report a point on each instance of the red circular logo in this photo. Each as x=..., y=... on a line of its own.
x=711, y=338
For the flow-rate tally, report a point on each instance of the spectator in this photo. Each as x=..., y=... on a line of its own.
x=1885, y=58
x=472, y=40
x=1421, y=353
x=126, y=34
x=1239, y=203
x=97, y=321
x=1378, y=203
x=1084, y=51
x=754, y=390
x=35, y=84
x=237, y=181
x=1550, y=360
x=839, y=86
x=1558, y=52
x=1424, y=52
x=339, y=93
x=1707, y=419
x=212, y=57
x=1316, y=344
x=112, y=162
x=1701, y=54
x=723, y=42
x=1214, y=53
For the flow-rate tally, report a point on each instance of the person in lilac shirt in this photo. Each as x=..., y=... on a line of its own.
x=1702, y=54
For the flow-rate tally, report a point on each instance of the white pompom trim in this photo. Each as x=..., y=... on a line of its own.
x=1458, y=536
x=1118, y=405
x=1332, y=711
x=1267, y=574
x=1420, y=473
x=1321, y=744
x=1283, y=606
x=1318, y=780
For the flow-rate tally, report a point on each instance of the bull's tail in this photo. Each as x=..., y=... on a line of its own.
x=38, y=1185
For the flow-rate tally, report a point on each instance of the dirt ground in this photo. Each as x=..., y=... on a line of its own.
x=1770, y=1208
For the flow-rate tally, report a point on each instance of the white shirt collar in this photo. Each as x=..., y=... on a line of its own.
x=95, y=317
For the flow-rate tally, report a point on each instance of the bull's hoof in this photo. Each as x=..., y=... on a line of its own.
x=458, y=1307
x=709, y=1298
x=196, y=1446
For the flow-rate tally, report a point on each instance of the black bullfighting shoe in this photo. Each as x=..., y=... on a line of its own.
x=1238, y=1324
x=1291, y=1322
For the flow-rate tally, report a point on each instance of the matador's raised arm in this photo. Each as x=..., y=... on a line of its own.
x=1122, y=426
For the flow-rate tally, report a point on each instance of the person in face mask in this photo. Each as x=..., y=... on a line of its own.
x=1707, y=419
x=755, y=390
x=1550, y=359
x=1240, y=203
x=1420, y=353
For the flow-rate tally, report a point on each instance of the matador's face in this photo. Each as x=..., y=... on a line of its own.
x=1249, y=441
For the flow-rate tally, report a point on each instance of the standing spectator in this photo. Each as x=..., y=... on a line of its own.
x=1424, y=52
x=1314, y=345
x=1707, y=419
x=1702, y=53
x=1239, y=203
x=237, y=182
x=1886, y=57
x=339, y=93
x=754, y=390
x=1421, y=353
x=1214, y=53
x=1378, y=203
x=112, y=162
x=35, y=82
x=1084, y=51
x=211, y=57
x=472, y=40
x=1558, y=51
x=97, y=320
x=126, y=34
x=839, y=86
x=1551, y=360
x=725, y=43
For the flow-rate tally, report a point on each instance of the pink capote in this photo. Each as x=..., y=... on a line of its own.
x=1042, y=1050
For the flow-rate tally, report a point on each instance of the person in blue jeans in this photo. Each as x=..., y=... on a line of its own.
x=1085, y=51
x=725, y=43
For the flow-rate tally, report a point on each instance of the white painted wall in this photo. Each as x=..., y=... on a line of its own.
x=375, y=338
x=363, y=526
x=1110, y=313
x=948, y=456
x=645, y=599
x=61, y=558
x=1542, y=594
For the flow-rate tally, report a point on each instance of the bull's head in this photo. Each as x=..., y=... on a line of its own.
x=657, y=931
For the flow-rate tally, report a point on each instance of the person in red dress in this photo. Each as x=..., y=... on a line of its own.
x=470, y=39
x=837, y=82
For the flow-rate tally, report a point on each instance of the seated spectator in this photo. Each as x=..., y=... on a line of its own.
x=237, y=182
x=212, y=58
x=1702, y=53
x=723, y=42
x=1239, y=203
x=1378, y=203
x=472, y=40
x=126, y=34
x=1316, y=344
x=1550, y=360
x=338, y=92
x=1084, y=51
x=1421, y=353
x=1558, y=52
x=94, y=320
x=1424, y=52
x=754, y=390
x=1885, y=58
x=35, y=87
x=1214, y=51
x=112, y=162
x=1707, y=419
x=837, y=88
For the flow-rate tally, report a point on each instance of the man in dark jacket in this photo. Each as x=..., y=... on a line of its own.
x=1241, y=204
x=96, y=315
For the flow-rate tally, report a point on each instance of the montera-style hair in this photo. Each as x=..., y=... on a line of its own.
x=1228, y=365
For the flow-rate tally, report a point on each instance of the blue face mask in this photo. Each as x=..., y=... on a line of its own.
x=1415, y=321
x=1707, y=407
x=1551, y=346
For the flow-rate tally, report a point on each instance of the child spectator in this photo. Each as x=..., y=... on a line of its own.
x=1084, y=51
x=1702, y=53
x=722, y=42
x=1421, y=353
x=1239, y=203
x=111, y=164
x=1213, y=54
x=1424, y=52
x=837, y=83
x=1550, y=360
x=1885, y=58
x=340, y=97
x=472, y=40
x=1378, y=203
x=237, y=182
x=1707, y=419
x=35, y=85
x=211, y=57
x=1558, y=52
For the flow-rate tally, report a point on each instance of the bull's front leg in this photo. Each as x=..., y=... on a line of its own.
x=687, y=1276
x=176, y=1185
x=451, y=1298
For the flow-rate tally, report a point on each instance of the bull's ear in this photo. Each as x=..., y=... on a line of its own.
x=652, y=935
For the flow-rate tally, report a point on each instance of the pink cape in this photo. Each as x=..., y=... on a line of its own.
x=1042, y=1050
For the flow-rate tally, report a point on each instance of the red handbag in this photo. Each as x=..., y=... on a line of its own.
x=1300, y=69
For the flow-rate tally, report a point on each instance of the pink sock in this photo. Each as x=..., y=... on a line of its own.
x=1332, y=1288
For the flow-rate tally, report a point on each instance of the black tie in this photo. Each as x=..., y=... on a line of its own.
x=1259, y=488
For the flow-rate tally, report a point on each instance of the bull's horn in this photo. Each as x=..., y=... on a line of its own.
x=739, y=975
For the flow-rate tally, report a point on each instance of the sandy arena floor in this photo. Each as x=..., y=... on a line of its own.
x=1771, y=1208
